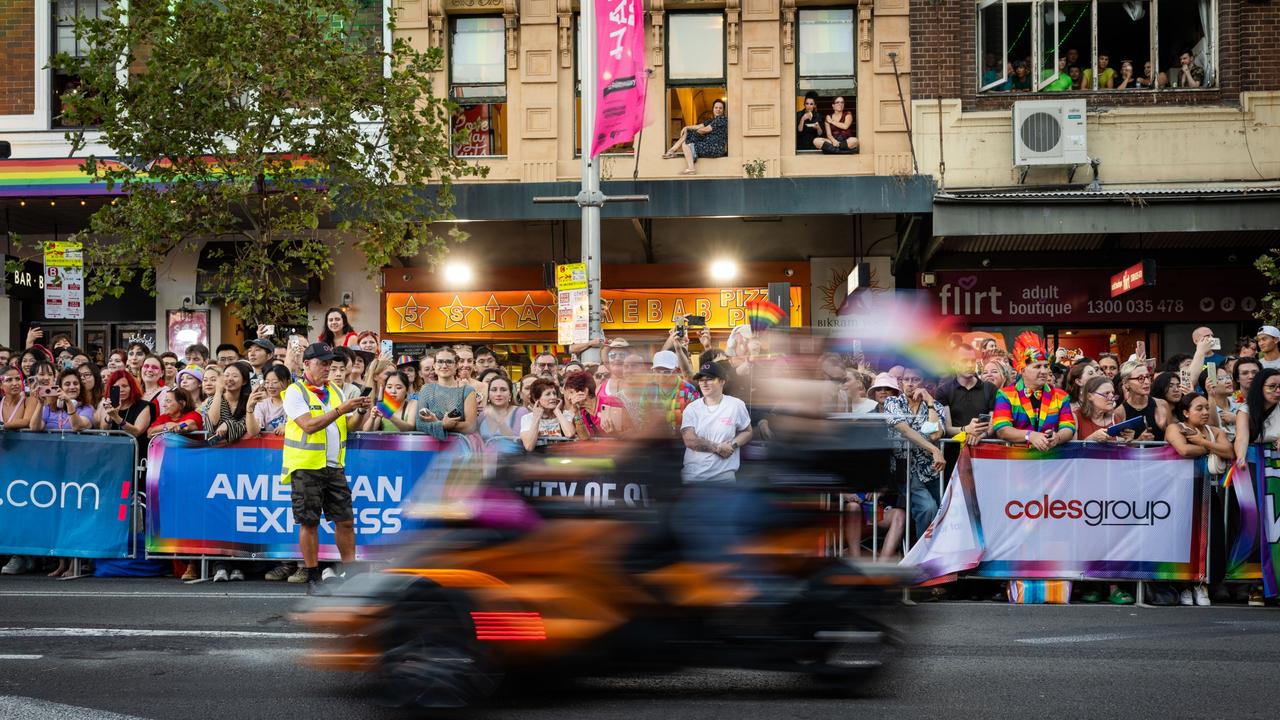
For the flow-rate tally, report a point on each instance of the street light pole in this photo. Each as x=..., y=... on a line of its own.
x=589, y=198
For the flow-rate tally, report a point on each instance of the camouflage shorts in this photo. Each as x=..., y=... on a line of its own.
x=324, y=490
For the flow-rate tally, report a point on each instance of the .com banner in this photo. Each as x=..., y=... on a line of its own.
x=229, y=500
x=1083, y=510
x=65, y=494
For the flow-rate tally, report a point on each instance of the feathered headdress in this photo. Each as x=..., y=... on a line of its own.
x=1028, y=349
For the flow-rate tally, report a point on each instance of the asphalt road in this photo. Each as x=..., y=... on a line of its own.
x=105, y=649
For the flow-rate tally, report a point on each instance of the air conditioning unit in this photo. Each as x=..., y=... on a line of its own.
x=1049, y=132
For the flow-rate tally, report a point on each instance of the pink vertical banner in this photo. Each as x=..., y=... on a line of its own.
x=620, y=63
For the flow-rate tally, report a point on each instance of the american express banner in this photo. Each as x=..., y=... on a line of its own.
x=66, y=494
x=1084, y=510
x=229, y=500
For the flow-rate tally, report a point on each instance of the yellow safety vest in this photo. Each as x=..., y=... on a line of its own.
x=309, y=452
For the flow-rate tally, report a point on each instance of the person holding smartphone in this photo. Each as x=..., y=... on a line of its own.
x=124, y=409
x=967, y=399
x=449, y=404
x=64, y=407
x=315, y=451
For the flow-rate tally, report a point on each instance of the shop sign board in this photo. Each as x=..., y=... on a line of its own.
x=537, y=310
x=1003, y=297
x=1142, y=274
x=63, y=280
x=573, y=314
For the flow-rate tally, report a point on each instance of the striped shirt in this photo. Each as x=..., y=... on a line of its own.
x=1014, y=409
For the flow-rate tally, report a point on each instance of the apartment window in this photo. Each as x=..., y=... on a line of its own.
x=695, y=69
x=625, y=148
x=478, y=84
x=1097, y=45
x=65, y=13
x=825, y=67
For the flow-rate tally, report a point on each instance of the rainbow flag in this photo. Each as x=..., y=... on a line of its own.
x=388, y=405
x=763, y=314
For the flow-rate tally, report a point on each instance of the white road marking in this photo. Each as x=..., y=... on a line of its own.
x=1067, y=639
x=150, y=594
x=142, y=632
x=20, y=657
x=32, y=709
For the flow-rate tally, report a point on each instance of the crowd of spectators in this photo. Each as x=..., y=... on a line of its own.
x=1204, y=405
x=1073, y=73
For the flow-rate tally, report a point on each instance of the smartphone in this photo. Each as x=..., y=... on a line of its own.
x=48, y=392
x=454, y=413
x=366, y=391
x=255, y=383
x=696, y=320
x=115, y=396
x=1216, y=344
x=386, y=347
x=268, y=330
x=1211, y=377
x=985, y=418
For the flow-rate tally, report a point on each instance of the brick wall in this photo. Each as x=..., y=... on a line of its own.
x=17, y=57
x=943, y=37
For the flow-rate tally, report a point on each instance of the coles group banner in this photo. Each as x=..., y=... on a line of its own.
x=620, y=85
x=1255, y=553
x=67, y=495
x=1083, y=510
x=229, y=500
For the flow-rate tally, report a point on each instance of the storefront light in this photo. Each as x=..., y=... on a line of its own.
x=458, y=273
x=724, y=270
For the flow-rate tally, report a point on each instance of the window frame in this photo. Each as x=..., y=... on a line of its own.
x=490, y=100
x=851, y=99
x=630, y=150
x=1212, y=39
x=723, y=79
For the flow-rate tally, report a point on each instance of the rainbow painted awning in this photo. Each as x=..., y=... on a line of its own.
x=54, y=177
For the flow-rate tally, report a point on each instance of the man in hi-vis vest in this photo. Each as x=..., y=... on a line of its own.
x=315, y=452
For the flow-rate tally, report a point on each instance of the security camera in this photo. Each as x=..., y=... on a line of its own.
x=186, y=300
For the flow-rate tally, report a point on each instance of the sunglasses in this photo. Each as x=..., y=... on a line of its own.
x=617, y=356
x=446, y=362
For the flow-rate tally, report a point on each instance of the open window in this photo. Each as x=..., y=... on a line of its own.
x=626, y=148
x=825, y=66
x=695, y=68
x=1025, y=45
x=478, y=84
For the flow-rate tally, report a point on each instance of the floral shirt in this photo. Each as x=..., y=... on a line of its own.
x=899, y=411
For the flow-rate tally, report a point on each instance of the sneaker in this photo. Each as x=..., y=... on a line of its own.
x=237, y=574
x=1184, y=598
x=327, y=574
x=314, y=587
x=16, y=566
x=1201, y=594
x=192, y=573
x=220, y=575
x=299, y=575
x=1255, y=597
x=1091, y=596
x=279, y=572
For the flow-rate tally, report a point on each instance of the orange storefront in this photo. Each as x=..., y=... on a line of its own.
x=514, y=306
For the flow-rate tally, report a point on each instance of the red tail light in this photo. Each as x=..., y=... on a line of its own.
x=503, y=626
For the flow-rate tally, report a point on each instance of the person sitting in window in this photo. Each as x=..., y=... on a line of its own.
x=809, y=127
x=1106, y=74
x=1062, y=82
x=1190, y=75
x=840, y=137
x=708, y=140
x=1020, y=80
x=1127, y=80
x=1073, y=57
x=991, y=73
x=1145, y=81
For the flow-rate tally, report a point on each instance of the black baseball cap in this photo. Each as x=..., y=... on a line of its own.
x=318, y=351
x=712, y=369
x=263, y=343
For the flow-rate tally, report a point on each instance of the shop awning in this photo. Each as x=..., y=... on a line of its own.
x=1083, y=212
x=214, y=254
x=728, y=197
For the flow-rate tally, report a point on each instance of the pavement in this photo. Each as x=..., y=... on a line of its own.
x=95, y=649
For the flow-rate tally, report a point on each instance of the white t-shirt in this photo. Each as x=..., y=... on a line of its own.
x=269, y=416
x=1270, y=426
x=295, y=406
x=547, y=427
x=719, y=424
x=1269, y=364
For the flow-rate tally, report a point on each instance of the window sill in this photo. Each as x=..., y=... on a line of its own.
x=1100, y=91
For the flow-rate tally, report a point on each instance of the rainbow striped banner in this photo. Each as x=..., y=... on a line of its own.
x=1080, y=511
x=62, y=177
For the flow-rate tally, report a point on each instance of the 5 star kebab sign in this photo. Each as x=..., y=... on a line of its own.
x=1131, y=278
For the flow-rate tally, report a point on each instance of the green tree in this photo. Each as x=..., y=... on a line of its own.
x=1269, y=308
x=258, y=121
